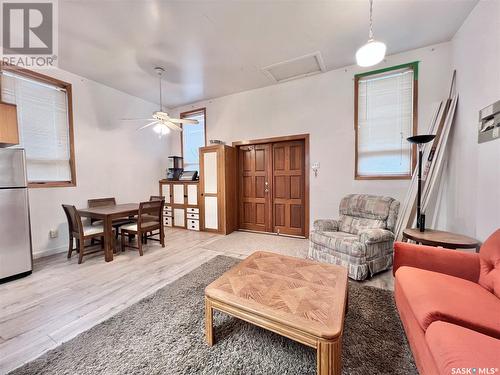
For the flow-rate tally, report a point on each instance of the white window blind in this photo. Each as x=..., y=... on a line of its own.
x=385, y=120
x=193, y=137
x=42, y=112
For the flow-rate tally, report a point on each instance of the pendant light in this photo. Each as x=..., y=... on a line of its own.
x=373, y=51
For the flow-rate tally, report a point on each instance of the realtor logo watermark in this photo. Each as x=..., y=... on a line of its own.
x=29, y=33
x=474, y=370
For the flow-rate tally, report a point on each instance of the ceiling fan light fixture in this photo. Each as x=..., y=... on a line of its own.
x=373, y=51
x=161, y=129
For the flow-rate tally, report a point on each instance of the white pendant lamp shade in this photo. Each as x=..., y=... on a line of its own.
x=371, y=53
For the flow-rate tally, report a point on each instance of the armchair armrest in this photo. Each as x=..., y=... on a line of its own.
x=327, y=225
x=370, y=236
x=450, y=262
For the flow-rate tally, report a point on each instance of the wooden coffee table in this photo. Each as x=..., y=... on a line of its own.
x=296, y=298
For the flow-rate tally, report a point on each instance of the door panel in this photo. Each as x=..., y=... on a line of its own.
x=281, y=184
x=179, y=216
x=210, y=172
x=296, y=187
x=178, y=193
x=211, y=214
x=260, y=213
x=296, y=216
x=255, y=187
x=261, y=156
x=260, y=186
x=192, y=195
x=289, y=187
x=166, y=193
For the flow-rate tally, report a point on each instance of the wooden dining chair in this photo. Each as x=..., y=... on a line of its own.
x=149, y=220
x=102, y=202
x=80, y=232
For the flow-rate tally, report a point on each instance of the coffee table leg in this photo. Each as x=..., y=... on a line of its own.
x=329, y=357
x=209, y=325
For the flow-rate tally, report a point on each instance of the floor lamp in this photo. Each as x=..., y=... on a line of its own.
x=420, y=140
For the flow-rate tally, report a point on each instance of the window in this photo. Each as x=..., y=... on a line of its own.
x=193, y=137
x=385, y=115
x=45, y=125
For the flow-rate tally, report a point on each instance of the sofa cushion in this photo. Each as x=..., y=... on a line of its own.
x=489, y=257
x=435, y=296
x=341, y=242
x=354, y=225
x=366, y=206
x=455, y=347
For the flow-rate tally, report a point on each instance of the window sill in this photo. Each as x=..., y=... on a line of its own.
x=401, y=177
x=52, y=184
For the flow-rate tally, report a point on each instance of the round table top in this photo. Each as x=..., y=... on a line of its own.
x=440, y=238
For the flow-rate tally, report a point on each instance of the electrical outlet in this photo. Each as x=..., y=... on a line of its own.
x=54, y=233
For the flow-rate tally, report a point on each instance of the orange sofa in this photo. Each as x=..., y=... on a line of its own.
x=449, y=303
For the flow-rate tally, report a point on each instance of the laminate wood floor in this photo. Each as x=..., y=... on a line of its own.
x=62, y=299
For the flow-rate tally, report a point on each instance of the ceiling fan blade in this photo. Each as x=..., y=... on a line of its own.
x=173, y=126
x=136, y=119
x=148, y=125
x=183, y=121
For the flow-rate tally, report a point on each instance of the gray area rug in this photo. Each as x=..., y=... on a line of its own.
x=164, y=334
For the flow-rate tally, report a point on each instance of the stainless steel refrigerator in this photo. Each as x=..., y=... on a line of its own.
x=15, y=231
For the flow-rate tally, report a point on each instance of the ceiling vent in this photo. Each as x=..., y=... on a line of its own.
x=296, y=68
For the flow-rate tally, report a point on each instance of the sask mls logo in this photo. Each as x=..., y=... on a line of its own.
x=29, y=36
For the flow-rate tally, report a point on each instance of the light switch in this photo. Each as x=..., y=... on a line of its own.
x=315, y=168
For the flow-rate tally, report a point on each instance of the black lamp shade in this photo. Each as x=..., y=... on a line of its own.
x=421, y=139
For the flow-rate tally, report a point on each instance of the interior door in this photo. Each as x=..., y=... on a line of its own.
x=289, y=188
x=255, y=181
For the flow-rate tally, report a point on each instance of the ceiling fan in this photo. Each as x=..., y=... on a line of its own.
x=162, y=123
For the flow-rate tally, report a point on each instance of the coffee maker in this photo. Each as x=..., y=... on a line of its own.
x=175, y=169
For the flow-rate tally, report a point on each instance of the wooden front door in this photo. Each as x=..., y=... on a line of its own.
x=289, y=188
x=255, y=169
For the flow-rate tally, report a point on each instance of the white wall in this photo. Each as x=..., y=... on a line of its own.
x=112, y=158
x=471, y=203
x=323, y=106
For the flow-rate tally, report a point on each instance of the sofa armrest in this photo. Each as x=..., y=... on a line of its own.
x=450, y=262
x=327, y=225
x=369, y=236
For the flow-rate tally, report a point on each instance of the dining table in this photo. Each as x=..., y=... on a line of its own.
x=107, y=214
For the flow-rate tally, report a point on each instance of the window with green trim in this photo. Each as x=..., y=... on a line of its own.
x=385, y=115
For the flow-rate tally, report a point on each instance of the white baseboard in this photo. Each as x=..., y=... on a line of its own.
x=47, y=252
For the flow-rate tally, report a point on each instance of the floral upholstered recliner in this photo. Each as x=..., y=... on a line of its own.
x=362, y=239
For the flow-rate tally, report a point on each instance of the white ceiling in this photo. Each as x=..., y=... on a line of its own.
x=217, y=47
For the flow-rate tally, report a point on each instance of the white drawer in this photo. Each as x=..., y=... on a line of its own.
x=193, y=216
x=168, y=221
x=193, y=224
x=193, y=210
x=168, y=208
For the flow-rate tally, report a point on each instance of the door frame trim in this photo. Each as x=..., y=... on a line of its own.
x=286, y=138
